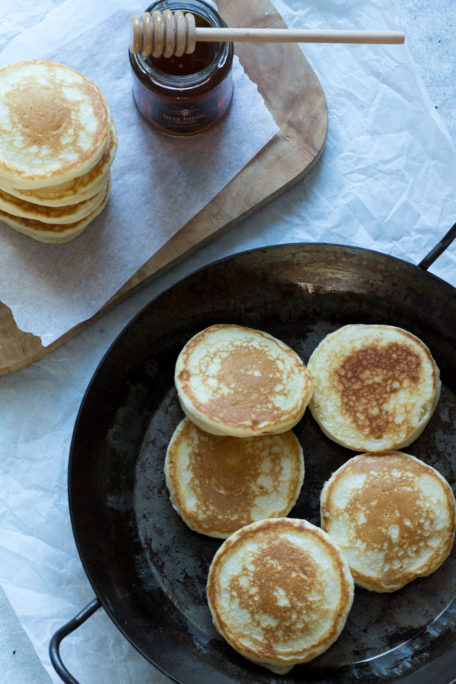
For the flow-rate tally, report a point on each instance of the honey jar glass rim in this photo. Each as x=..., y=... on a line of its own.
x=223, y=51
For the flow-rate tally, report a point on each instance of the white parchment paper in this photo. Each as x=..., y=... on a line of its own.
x=386, y=181
x=158, y=182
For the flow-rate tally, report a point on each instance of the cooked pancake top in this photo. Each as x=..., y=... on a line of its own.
x=77, y=188
x=390, y=511
x=239, y=376
x=280, y=589
x=368, y=377
x=375, y=385
x=54, y=123
x=222, y=483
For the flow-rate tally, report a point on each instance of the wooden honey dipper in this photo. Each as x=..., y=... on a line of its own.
x=168, y=34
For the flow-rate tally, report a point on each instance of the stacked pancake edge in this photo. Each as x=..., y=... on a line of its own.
x=57, y=145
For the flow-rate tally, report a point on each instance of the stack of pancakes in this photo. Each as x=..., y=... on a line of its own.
x=280, y=589
x=57, y=144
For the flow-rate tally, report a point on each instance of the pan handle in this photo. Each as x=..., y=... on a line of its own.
x=54, y=644
x=439, y=248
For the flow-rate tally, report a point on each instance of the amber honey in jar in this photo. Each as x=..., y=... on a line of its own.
x=189, y=94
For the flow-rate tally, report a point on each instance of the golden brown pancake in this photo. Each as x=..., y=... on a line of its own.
x=392, y=516
x=279, y=591
x=54, y=124
x=51, y=232
x=233, y=380
x=77, y=189
x=65, y=214
x=218, y=484
x=375, y=387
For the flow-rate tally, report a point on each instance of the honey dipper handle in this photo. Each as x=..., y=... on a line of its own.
x=167, y=34
x=297, y=35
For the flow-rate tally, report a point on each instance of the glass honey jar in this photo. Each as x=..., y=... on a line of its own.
x=189, y=94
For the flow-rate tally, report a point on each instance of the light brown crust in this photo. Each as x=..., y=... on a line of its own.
x=391, y=515
x=77, y=189
x=50, y=232
x=252, y=374
x=375, y=387
x=43, y=125
x=281, y=569
x=218, y=484
x=368, y=377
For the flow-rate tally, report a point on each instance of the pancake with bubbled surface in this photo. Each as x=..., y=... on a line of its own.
x=392, y=516
x=54, y=124
x=218, y=484
x=233, y=380
x=375, y=387
x=279, y=591
x=77, y=189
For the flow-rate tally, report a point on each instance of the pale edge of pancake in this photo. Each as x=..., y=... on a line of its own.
x=179, y=509
x=42, y=234
x=52, y=215
x=373, y=585
x=282, y=665
x=76, y=190
x=364, y=444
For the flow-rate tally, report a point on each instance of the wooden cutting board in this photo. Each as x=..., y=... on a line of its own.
x=295, y=98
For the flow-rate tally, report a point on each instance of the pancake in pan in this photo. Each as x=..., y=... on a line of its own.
x=233, y=380
x=218, y=484
x=375, y=387
x=279, y=592
x=392, y=516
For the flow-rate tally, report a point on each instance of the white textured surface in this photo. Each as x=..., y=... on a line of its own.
x=30, y=399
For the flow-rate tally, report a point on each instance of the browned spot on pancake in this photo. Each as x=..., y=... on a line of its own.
x=394, y=518
x=49, y=121
x=228, y=474
x=39, y=110
x=249, y=377
x=283, y=592
x=368, y=378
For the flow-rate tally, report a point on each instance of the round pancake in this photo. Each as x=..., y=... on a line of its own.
x=75, y=190
x=233, y=380
x=51, y=232
x=375, y=387
x=279, y=592
x=392, y=516
x=218, y=484
x=59, y=215
x=54, y=124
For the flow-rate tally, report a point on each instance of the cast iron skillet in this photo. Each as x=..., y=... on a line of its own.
x=147, y=568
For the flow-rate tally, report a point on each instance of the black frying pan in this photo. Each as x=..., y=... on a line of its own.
x=147, y=568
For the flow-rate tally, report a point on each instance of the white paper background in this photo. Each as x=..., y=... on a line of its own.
x=387, y=180
x=156, y=186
